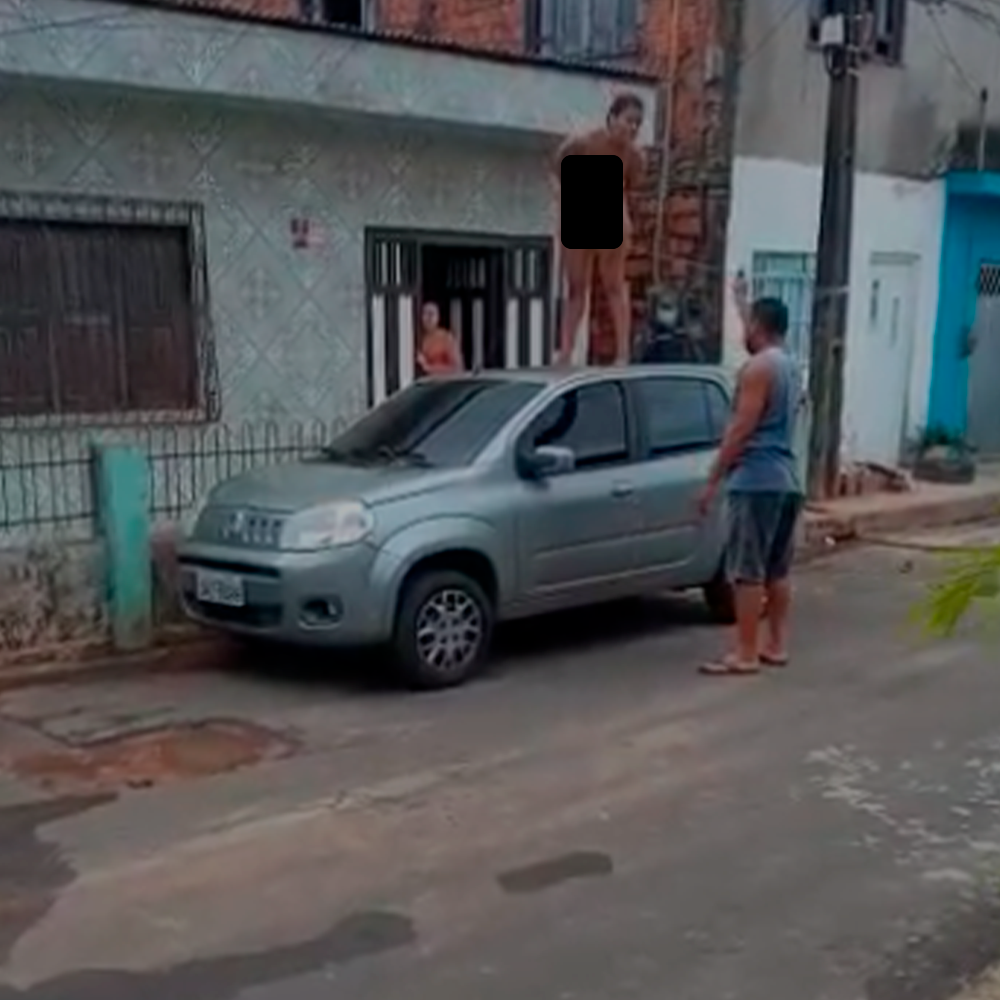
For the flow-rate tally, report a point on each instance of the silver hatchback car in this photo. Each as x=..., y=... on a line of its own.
x=468, y=500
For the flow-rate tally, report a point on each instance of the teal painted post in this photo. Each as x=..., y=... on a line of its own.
x=122, y=479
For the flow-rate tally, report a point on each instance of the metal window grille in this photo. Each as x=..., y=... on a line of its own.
x=104, y=312
x=790, y=277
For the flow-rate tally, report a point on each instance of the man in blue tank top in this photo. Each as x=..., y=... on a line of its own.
x=757, y=465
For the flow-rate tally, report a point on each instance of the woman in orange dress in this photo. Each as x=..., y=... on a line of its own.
x=439, y=352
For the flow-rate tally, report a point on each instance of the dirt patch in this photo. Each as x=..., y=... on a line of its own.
x=154, y=757
x=987, y=988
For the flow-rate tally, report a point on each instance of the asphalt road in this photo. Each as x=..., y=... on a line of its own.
x=591, y=820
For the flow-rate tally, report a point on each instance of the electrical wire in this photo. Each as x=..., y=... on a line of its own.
x=944, y=47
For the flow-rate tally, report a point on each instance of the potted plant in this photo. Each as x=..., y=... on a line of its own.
x=944, y=456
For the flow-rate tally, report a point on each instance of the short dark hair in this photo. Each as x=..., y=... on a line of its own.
x=623, y=102
x=771, y=315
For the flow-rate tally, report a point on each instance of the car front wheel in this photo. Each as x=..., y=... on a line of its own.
x=443, y=630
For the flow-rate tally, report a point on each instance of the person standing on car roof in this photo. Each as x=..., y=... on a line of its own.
x=758, y=468
x=617, y=138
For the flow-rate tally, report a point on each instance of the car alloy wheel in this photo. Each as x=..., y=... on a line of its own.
x=449, y=632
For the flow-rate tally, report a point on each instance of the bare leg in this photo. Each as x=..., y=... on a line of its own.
x=775, y=647
x=612, y=270
x=578, y=268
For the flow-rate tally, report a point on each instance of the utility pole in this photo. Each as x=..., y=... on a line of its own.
x=841, y=35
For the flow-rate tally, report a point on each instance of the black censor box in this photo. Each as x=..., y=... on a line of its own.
x=592, y=202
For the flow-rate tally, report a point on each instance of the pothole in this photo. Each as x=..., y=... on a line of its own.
x=153, y=757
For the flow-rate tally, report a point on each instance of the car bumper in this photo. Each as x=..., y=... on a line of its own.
x=311, y=598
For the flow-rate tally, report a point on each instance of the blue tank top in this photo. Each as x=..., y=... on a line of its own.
x=768, y=463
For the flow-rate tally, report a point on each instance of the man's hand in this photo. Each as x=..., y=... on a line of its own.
x=741, y=291
x=706, y=498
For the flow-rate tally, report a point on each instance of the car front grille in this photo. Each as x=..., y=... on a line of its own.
x=243, y=527
x=252, y=615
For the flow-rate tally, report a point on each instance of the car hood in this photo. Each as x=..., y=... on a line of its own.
x=299, y=485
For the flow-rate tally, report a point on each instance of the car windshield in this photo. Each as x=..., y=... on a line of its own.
x=433, y=423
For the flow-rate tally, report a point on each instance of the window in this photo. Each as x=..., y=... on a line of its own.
x=583, y=29
x=882, y=29
x=677, y=415
x=590, y=422
x=790, y=277
x=434, y=423
x=97, y=317
x=347, y=12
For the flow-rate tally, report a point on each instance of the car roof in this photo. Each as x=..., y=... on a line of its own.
x=570, y=376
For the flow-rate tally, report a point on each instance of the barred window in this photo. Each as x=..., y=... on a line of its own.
x=97, y=317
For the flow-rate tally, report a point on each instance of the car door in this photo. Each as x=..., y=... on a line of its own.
x=681, y=421
x=576, y=531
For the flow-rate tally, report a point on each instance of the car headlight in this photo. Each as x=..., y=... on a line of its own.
x=342, y=523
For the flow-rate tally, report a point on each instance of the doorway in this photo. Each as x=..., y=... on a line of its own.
x=466, y=283
x=493, y=292
x=887, y=354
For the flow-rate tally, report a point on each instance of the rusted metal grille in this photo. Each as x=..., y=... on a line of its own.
x=103, y=313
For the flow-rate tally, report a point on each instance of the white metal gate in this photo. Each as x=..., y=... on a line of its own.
x=393, y=286
x=527, y=337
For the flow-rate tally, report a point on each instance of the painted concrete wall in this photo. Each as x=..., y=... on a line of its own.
x=290, y=326
x=776, y=209
x=908, y=113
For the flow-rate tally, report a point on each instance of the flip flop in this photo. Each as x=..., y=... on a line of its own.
x=728, y=667
x=773, y=661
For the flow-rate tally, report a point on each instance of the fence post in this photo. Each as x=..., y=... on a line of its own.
x=122, y=481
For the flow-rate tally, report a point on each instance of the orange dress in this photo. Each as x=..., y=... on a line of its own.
x=439, y=353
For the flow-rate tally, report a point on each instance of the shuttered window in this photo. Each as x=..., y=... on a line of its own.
x=96, y=318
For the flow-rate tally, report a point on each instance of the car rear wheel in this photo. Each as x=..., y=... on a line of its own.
x=443, y=629
x=720, y=598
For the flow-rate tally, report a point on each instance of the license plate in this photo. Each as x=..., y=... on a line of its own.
x=220, y=588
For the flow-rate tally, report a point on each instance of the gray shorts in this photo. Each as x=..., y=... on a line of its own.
x=761, y=540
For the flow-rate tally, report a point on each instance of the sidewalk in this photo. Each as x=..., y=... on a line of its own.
x=879, y=515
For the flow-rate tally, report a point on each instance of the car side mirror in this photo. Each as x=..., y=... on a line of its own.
x=546, y=461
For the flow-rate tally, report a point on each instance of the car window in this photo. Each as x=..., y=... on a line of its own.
x=678, y=415
x=445, y=423
x=719, y=409
x=590, y=421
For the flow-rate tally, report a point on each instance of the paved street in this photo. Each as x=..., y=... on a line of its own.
x=591, y=820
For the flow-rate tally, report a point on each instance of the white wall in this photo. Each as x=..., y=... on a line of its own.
x=775, y=208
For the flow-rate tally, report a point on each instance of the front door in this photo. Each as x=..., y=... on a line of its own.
x=984, y=362
x=886, y=355
x=576, y=531
x=681, y=422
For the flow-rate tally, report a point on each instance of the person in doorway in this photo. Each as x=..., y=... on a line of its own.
x=439, y=352
x=616, y=138
x=757, y=466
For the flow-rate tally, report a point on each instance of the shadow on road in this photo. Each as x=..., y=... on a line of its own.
x=519, y=645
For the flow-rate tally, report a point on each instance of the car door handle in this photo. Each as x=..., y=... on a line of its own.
x=622, y=490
